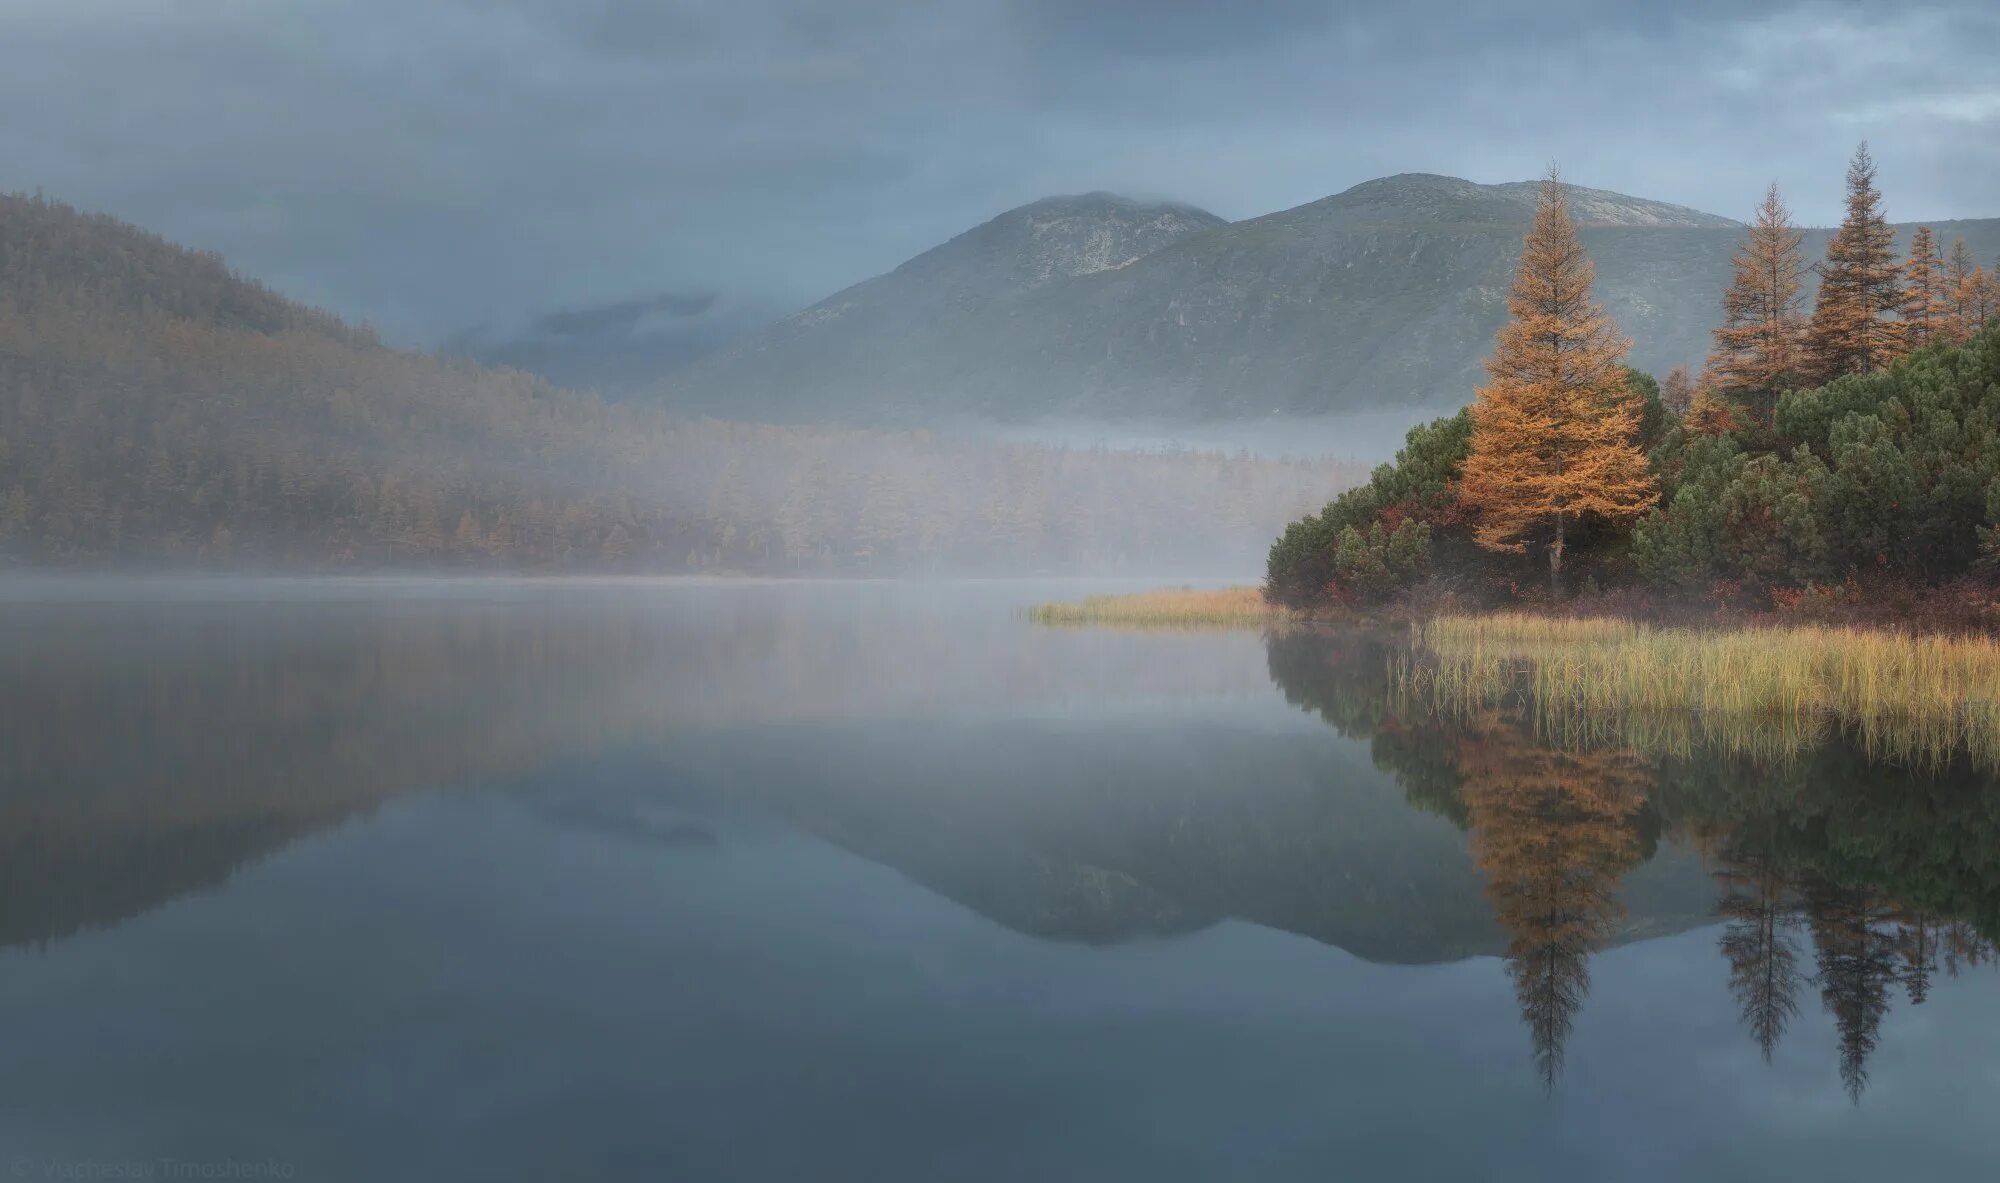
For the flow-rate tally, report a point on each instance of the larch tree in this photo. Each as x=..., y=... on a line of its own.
x=1677, y=391
x=1709, y=413
x=1962, y=290
x=1759, y=348
x=1860, y=287
x=1927, y=295
x=1981, y=302
x=1975, y=293
x=1554, y=436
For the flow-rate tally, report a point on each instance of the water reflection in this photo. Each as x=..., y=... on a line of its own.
x=1888, y=869
x=1075, y=787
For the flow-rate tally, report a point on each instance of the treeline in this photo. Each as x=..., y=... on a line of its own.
x=155, y=407
x=1836, y=458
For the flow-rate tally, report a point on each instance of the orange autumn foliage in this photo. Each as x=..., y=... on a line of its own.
x=1553, y=437
x=1927, y=293
x=1709, y=414
x=1860, y=289
x=1553, y=831
x=1759, y=348
x=1974, y=294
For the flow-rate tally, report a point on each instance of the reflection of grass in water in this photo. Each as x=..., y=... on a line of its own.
x=1168, y=608
x=1770, y=692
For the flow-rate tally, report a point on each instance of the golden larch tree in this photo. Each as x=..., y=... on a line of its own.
x=1677, y=391
x=1927, y=293
x=1709, y=413
x=1975, y=293
x=1982, y=301
x=1860, y=287
x=1554, y=431
x=1963, y=291
x=1759, y=348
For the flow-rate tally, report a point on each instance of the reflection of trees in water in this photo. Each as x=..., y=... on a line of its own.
x=1856, y=965
x=1890, y=866
x=1553, y=831
x=1758, y=941
x=239, y=734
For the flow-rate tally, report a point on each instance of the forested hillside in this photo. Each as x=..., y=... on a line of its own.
x=1384, y=296
x=155, y=407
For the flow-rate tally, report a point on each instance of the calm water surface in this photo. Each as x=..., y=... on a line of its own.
x=408, y=880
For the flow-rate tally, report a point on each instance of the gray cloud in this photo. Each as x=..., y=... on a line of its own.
x=439, y=165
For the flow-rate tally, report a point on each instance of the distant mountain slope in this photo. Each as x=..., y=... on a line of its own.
x=615, y=348
x=1386, y=295
x=891, y=332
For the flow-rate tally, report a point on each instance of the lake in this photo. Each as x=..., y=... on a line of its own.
x=413, y=879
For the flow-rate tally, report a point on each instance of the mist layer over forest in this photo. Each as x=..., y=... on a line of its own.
x=156, y=408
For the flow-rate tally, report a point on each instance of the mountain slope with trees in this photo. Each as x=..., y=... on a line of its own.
x=156, y=407
x=1383, y=296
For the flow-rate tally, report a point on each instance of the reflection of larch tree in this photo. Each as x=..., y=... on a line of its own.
x=1553, y=831
x=1856, y=967
x=1763, y=960
x=1916, y=942
x=1963, y=948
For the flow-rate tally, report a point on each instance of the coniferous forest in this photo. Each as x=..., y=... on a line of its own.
x=157, y=408
x=1837, y=458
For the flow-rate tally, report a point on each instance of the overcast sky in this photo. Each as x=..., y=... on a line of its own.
x=433, y=164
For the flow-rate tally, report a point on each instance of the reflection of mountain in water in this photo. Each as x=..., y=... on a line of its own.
x=154, y=741
x=1129, y=828
x=1071, y=786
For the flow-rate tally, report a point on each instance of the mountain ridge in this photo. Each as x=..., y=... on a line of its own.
x=1385, y=295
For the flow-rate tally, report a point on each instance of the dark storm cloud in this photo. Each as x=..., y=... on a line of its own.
x=434, y=165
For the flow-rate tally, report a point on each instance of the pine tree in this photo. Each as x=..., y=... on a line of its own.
x=1860, y=286
x=1554, y=432
x=1927, y=296
x=1759, y=347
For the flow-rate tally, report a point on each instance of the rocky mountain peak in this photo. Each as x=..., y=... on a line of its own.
x=1408, y=198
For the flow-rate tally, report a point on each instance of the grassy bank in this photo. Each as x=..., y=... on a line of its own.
x=1909, y=694
x=1168, y=608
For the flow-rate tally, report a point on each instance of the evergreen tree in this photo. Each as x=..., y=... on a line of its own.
x=1860, y=287
x=1554, y=438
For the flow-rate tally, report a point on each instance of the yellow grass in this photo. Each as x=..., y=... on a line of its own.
x=1907, y=695
x=1184, y=607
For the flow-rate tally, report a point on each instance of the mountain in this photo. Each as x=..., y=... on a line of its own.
x=1384, y=296
x=894, y=332
x=615, y=348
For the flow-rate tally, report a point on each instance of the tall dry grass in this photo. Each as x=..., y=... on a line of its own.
x=1168, y=608
x=1756, y=689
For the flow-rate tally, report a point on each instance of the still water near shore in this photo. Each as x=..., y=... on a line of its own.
x=524, y=879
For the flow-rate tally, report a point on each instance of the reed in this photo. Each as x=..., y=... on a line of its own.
x=1906, y=695
x=1168, y=608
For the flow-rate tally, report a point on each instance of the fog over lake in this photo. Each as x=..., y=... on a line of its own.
x=408, y=879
